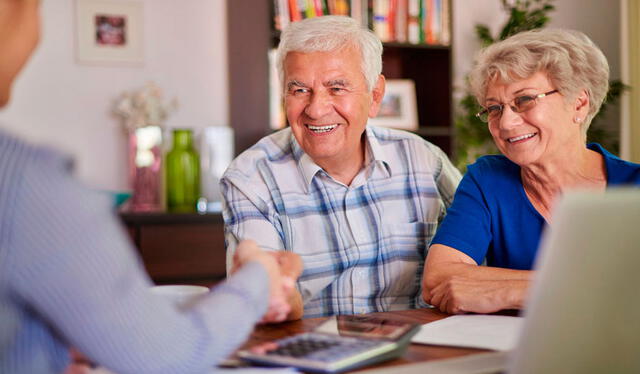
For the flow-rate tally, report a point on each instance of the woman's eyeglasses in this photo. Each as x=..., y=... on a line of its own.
x=519, y=104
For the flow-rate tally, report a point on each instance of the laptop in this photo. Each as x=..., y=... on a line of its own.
x=583, y=315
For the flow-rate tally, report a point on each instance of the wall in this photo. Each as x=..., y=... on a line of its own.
x=598, y=19
x=59, y=102
x=630, y=35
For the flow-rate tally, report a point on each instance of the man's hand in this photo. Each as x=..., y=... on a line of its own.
x=283, y=269
x=461, y=295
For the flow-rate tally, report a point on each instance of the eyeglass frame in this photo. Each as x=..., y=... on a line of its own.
x=513, y=107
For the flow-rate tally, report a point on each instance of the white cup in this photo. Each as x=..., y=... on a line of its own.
x=180, y=295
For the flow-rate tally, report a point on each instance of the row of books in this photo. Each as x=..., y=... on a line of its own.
x=401, y=21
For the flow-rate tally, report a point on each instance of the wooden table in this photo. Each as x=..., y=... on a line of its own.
x=415, y=352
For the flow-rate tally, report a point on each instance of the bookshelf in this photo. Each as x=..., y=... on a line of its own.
x=251, y=35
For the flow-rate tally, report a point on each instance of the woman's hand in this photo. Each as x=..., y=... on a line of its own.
x=461, y=295
x=454, y=283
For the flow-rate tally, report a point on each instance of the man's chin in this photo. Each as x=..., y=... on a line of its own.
x=4, y=99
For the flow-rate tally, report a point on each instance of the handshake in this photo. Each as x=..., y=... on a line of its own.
x=283, y=268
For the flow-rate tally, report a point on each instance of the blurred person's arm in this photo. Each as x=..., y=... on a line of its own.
x=72, y=263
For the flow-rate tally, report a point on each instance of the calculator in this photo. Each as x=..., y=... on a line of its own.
x=342, y=343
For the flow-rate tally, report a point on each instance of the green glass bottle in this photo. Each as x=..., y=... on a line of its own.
x=183, y=173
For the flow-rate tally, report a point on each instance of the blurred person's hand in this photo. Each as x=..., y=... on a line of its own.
x=283, y=269
x=79, y=363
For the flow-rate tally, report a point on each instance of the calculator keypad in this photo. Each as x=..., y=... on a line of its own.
x=322, y=348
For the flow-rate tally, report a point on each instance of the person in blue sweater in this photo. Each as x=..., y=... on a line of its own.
x=539, y=90
x=69, y=276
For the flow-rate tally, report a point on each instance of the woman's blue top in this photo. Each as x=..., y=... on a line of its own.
x=492, y=218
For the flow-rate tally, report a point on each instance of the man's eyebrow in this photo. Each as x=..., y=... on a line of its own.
x=295, y=83
x=337, y=82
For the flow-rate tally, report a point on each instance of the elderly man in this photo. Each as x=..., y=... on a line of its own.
x=359, y=204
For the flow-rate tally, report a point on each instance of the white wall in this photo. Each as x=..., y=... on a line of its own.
x=59, y=102
x=597, y=18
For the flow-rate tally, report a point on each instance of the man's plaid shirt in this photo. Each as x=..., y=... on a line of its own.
x=363, y=246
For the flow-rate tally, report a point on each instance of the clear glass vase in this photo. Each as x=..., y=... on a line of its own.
x=183, y=173
x=145, y=169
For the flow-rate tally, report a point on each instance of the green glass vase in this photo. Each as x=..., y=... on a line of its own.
x=183, y=173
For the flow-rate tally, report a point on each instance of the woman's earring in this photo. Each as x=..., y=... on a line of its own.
x=577, y=120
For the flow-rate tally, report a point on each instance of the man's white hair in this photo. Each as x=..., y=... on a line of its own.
x=329, y=34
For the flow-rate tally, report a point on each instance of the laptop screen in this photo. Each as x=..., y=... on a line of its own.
x=584, y=311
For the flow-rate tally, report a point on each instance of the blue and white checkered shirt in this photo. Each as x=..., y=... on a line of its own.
x=363, y=246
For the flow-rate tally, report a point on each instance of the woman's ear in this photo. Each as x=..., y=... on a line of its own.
x=377, y=95
x=581, y=106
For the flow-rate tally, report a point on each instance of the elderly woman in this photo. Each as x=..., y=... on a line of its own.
x=539, y=90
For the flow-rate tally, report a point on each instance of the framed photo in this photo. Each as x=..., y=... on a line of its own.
x=109, y=31
x=398, y=108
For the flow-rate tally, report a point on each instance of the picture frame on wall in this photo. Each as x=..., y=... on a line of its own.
x=109, y=32
x=398, y=108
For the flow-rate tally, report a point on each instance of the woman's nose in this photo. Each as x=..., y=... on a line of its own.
x=509, y=118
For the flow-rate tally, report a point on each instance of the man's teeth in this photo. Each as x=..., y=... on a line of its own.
x=320, y=129
x=511, y=140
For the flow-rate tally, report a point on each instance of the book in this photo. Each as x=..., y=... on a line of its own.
x=281, y=14
x=309, y=9
x=402, y=17
x=380, y=20
x=360, y=11
x=413, y=21
x=294, y=12
x=445, y=21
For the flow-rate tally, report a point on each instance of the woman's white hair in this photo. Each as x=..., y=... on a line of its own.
x=569, y=58
x=329, y=34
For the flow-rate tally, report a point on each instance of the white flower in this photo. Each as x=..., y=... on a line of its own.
x=144, y=107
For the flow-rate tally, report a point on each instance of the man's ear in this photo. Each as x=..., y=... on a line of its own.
x=377, y=95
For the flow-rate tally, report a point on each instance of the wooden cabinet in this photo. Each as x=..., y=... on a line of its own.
x=250, y=36
x=179, y=248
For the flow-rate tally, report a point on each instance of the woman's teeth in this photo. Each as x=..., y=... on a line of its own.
x=521, y=137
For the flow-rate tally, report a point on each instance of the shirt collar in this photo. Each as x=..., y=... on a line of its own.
x=378, y=154
x=374, y=153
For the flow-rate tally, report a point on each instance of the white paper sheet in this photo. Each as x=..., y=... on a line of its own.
x=499, y=333
x=243, y=370
x=256, y=370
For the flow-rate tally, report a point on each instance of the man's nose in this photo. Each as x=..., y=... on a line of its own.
x=318, y=106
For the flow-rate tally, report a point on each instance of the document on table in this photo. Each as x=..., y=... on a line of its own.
x=256, y=370
x=498, y=333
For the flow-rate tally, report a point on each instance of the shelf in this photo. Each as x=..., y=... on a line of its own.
x=416, y=46
x=433, y=131
x=165, y=218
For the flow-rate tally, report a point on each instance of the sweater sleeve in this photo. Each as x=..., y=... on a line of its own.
x=73, y=265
